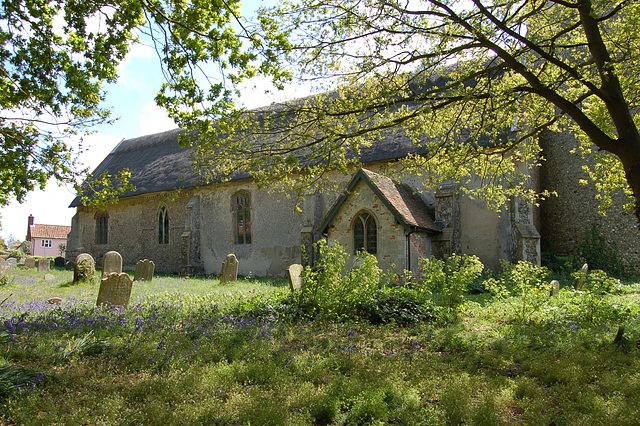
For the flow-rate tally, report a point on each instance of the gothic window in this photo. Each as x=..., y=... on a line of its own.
x=163, y=226
x=242, y=212
x=365, y=233
x=102, y=227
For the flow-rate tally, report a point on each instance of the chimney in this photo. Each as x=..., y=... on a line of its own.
x=29, y=224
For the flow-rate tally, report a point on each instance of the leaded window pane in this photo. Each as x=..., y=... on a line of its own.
x=372, y=236
x=358, y=235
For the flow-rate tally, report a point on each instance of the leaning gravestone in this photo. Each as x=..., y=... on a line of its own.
x=555, y=288
x=582, y=277
x=13, y=262
x=84, y=267
x=29, y=262
x=115, y=290
x=144, y=270
x=111, y=263
x=5, y=269
x=44, y=265
x=294, y=273
x=229, y=271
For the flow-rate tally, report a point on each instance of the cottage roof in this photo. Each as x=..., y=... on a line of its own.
x=408, y=209
x=54, y=232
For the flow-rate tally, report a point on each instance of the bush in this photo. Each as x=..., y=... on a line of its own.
x=331, y=289
x=524, y=285
x=448, y=280
x=601, y=255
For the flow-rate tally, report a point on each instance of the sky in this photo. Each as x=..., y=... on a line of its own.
x=132, y=99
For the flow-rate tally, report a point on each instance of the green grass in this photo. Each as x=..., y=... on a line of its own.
x=184, y=353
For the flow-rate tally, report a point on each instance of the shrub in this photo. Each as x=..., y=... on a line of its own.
x=601, y=255
x=524, y=285
x=449, y=279
x=334, y=291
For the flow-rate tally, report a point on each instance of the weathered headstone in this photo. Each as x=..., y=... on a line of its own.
x=49, y=277
x=229, y=271
x=69, y=266
x=59, y=262
x=84, y=267
x=555, y=288
x=294, y=273
x=144, y=270
x=44, y=265
x=111, y=263
x=54, y=300
x=582, y=277
x=115, y=290
x=5, y=269
x=13, y=262
x=30, y=262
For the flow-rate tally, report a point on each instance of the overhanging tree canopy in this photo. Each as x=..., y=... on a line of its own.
x=56, y=56
x=451, y=74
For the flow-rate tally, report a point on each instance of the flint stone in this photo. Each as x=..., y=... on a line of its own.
x=111, y=263
x=294, y=273
x=229, y=271
x=115, y=290
x=81, y=258
x=144, y=270
x=44, y=265
x=29, y=262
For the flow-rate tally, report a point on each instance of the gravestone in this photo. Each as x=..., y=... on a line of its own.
x=44, y=265
x=49, y=277
x=84, y=267
x=582, y=277
x=69, y=266
x=555, y=288
x=144, y=270
x=229, y=271
x=29, y=262
x=111, y=263
x=5, y=269
x=13, y=262
x=59, y=262
x=115, y=290
x=294, y=273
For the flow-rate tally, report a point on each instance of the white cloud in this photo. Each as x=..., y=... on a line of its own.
x=154, y=119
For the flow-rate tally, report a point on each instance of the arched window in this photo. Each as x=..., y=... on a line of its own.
x=365, y=233
x=163, y=226
x=242, y=209
x=102, y=227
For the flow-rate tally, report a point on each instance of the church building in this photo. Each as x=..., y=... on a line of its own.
x=187, y=227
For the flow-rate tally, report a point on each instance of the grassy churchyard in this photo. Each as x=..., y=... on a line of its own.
x=347, y=350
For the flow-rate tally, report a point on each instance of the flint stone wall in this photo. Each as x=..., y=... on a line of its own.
x=567, y=217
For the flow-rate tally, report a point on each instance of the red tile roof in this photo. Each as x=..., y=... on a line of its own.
x=50, y=231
